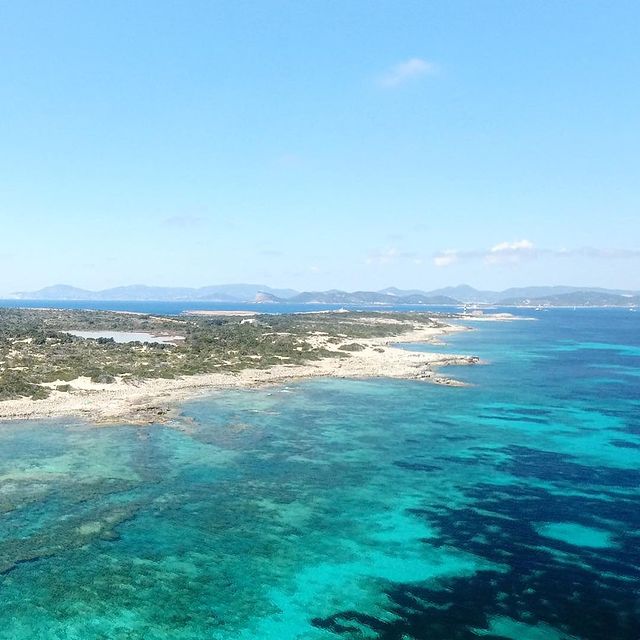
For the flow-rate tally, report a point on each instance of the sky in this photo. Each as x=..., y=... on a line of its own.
x=316, y=145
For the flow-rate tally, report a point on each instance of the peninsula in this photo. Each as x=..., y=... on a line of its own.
x=108, y=366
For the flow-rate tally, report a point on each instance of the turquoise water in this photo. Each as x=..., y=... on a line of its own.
x=347, y=509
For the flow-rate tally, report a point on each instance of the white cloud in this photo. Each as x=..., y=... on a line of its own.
x=512, y=246
x=383, y=256
x=499, y=253
x=519, y=250
x=446, y=258
x=391, y=255
x=510, y=252
x=405, y=71
x=606, y=254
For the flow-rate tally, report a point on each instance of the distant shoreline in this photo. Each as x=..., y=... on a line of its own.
x=194, y=307
x=155, y=400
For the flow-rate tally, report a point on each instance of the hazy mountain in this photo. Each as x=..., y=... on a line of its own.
x=557, y=295
x=230, y=293
x=367, y=297
x=144, y=292
x=262, y=297
x=465, y=293
x=214, y=293
x=245, y=292
x=394, y=291
x=55, y=292
x=549, y=292
x=578, y=299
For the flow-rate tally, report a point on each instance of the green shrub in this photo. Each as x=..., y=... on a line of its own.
x=351, y=346
x=100, y=377
x=15, y=384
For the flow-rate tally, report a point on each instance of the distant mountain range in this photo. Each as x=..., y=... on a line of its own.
x=520, y=295
x=578, y=299
x=243, y=293
x=139, y=292
x=366, y=297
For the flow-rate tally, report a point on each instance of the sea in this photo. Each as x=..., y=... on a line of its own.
x=347, y=509
x=177, y=307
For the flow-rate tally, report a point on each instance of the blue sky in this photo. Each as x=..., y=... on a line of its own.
x=325, y=144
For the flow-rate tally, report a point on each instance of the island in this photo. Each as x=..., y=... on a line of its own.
x=458, y=296
x=113, y=366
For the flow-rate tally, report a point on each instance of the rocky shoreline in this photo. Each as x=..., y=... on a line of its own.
x=156, y=400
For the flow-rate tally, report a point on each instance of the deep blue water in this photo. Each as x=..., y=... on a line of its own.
x=175, y=308
x=347, y=509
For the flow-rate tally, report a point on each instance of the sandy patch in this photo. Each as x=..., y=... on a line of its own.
x=153, y=400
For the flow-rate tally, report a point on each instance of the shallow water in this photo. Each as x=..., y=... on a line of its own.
x=347, y=509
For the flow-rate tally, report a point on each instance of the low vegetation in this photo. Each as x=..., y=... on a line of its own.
x=36, y=353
